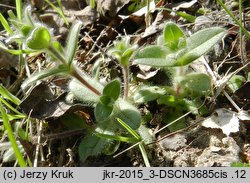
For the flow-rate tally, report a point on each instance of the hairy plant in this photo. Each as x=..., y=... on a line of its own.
x=175, y=51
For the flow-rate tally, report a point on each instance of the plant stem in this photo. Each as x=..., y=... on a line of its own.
x=233, y=17
x=72, y=70
x=147, y=15
x=57, y=54
x=76, y=75
x=126, y=81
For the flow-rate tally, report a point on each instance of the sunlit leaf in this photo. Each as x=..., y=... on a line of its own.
x=39, y=39
x=44, y=74
x=72, y=42
x=200, y=43
x=127, y=113
x=82, y=93
x=173, y=36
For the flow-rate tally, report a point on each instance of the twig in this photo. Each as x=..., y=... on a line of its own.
x=38, y=144
x=120, y=153
x=195, y=123
x=55, y=136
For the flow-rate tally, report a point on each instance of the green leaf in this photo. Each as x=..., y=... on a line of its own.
x=5, y=24
x=72, y=121
x=200, y=43
x=44, y=74
x=130, y=130
x=236, y=82
x=84, y=94
x=188, y=17
x=111, y=147
x=148, y=93
x=39, y=39
x=171, y=116
x=239, y=164
x=154, y=56
x=72, y=42
x=127, y=54
x=92, y=145
x=11, y=136
x=145, y=134
x=117, y=138
x=19, y=8
x=106, y=100
x=127, y=113
x=7, y=95
x=102, y=112
x=112, y=89
x=173, y=36
x=26, y=29
x=183, y=52
x=196, y=83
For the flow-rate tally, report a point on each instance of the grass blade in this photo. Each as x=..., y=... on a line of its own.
x=19, y=9
x=5, y=24
x=60, y=12
x=116, y=137
x=130, y=130
x=12, y=139
x=6, y=94
x=144, y=154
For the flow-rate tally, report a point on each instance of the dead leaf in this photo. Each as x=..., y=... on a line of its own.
x=223, y=119
x=110, y=8
x=185, y=5
x=40, y=103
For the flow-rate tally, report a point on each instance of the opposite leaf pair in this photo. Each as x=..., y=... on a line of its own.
x=174, y=49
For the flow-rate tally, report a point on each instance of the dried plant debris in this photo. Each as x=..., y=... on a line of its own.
x=40, y=103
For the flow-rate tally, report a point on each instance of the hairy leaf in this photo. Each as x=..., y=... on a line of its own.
x=44, y=74
x=92, y=145
x=127, y=113
x=148, y=93
x=200, y=43
x=196, y=83
x=102, y=112
x=173, y=36
x=82, y=93
x=112, y=90
x=72, y=42
x=39, y=39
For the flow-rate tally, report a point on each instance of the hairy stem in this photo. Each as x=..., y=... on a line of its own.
x=76, y=75
x=126, y=81
x=72, y=70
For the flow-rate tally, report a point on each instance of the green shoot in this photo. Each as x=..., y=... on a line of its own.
x=141, y=145
x=12, y=139
x=59, y=11
x=5, y=24
x=239, y=23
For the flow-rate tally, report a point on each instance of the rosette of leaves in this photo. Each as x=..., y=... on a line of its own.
x=175, y=50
